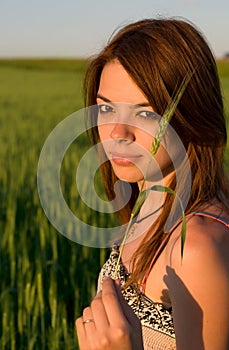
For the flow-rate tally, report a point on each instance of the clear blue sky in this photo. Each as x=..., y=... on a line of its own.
x=75, y=28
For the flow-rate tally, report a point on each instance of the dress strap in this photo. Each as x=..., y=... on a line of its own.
x=202, y=213
x=166, y=239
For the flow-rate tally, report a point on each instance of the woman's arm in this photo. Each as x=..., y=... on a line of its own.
x=113, y=326
x=199, y=288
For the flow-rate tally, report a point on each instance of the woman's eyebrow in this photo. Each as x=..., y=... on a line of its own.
x=143, y=104
x=137, y=105
x=103, y=98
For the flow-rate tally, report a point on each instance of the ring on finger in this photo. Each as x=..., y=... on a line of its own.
x=88, y=320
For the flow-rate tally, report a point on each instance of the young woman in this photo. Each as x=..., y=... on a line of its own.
x=159, y=299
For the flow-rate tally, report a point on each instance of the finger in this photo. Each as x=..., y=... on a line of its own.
x=127, y=310
x=88, y=319
x=81, y=334
x=89, y=327
x=99, y=313
x=111, y=303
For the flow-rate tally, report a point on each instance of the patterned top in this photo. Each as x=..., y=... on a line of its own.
x=156, y=319
x=153, y=315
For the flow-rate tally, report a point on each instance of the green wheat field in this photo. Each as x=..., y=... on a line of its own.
x=45, y=279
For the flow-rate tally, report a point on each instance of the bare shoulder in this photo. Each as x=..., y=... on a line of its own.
x=204, y=237
x=198, y=284
x=205, y=252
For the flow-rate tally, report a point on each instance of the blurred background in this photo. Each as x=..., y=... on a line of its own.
x=80, y=28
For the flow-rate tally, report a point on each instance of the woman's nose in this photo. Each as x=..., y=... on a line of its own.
x=122, y=132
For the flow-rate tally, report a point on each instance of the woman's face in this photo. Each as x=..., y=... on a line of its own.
x=127, y=125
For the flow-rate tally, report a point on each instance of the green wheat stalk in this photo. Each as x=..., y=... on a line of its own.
x=165, y=120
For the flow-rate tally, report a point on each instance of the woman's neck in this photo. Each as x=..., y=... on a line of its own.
x=155, y=199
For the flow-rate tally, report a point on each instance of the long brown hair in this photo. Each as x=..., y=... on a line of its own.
x=157, y=54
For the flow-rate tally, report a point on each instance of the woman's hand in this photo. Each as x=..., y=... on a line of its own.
x=111, y=324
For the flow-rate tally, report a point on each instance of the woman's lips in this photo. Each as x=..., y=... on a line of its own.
x=124, y=159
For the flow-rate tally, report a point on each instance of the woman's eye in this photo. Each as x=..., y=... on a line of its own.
x=147, y=114
x=105, y=109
